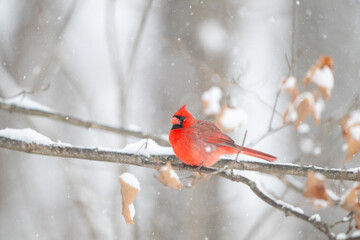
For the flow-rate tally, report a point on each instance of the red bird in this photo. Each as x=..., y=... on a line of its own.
x=200, y=143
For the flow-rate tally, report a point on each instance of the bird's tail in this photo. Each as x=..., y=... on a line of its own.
x=258, y=154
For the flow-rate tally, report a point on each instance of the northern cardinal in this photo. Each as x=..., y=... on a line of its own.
x=200, y=143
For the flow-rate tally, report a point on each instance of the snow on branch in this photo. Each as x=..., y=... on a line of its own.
x=23, y=105
x=28, y=140
x=147, y=153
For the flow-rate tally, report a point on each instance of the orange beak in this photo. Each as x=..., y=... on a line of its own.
x=175, y=120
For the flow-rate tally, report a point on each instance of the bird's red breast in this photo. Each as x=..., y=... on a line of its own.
x=197, y=142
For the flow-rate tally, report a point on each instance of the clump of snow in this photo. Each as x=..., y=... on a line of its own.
x=303, y=128
x=288, y=205
x=131, y=180
x=147, y=147
x=319, y=107
x=341, y=236
x=212, y=35
x=292, y=115
x=355, y=234
x=344, y=147
x=354, y=170
x=324, y=77
x=24, y=102
x=232, y=118
x=317, y=150
x=315, y=218
x=355, y=132
x=306, y=145
x=320, y=203
x=211, y=100
x=354, y=118
x=288, y=84
x=27, y=135
x=131, y=210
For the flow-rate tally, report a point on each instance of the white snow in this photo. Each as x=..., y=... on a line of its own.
x=306, y=145
x=320, y=203
x=319, y=107
x=355, y=132
x=212, y=35
x=315, y=218
x=324, y=77
x=24, y=102
x=288, y=83
x=292, y=115
x=317, y=150
x=147, y=147
x=131, y=180
x=131, y=210
x=27, y=135
x=354, y=118
x=288, y=205
x=172, y=172
x=233, y=118
x=354, y=170
x=344, y=147
x=303, y=128
x=356, y=233
x=341, y=236
x=212, y=99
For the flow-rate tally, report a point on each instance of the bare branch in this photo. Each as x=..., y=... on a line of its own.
x=322, y=226
x=10, y=107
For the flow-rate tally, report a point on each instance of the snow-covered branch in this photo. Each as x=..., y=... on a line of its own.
x=147, y=153
x=22, y=105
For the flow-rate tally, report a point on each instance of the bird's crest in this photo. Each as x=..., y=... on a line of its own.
x=183, y=112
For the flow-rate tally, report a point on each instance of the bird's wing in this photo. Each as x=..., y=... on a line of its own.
x=209, y=133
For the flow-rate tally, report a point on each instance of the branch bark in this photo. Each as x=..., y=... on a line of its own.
x=11, y=107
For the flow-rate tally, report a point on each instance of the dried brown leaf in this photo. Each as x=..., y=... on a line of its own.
x=351, y=203
x=353, y=144
x=128, y=194
x=316, y=191
x=323, y=62
x=168, y=177
x=289, y=85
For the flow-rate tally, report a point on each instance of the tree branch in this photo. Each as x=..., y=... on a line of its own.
x=154, y=161
x=116, y=156
x=12, y=107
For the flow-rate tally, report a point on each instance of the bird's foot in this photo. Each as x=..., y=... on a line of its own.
x=199, y=168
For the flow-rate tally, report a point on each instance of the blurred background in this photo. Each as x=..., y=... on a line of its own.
x=133, y=64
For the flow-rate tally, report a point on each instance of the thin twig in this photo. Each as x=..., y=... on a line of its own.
x=322, y=226
x=11, y=107
x=268, y=133
x=139, y=34
x=274, y=110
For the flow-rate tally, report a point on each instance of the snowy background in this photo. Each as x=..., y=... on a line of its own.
x=133, y=64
